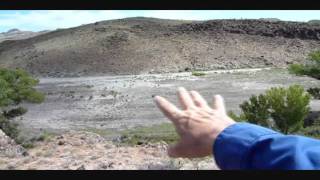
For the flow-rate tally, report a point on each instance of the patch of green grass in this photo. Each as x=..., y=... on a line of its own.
x=198, y=73
x=45, y=136
x=149, y=134
x=141, y=134
x=28, y=144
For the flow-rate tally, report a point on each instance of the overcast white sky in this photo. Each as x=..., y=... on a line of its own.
x=37, y=20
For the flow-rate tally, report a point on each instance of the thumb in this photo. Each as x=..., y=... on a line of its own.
x=218, y=104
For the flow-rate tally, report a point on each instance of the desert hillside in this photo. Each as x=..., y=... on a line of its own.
x=148, y=45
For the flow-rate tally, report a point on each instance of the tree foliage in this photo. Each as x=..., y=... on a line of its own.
x=16, y=86
x=289, y=107
x=281, y=108
x=256, y=110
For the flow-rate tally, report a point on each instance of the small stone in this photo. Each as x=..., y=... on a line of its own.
x=110, y=165
x=11, y=167
x=81, y=168
x=61, y=143
x=60, y=137
x=25, y=153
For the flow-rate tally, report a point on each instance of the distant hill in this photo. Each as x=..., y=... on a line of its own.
x=314, y=21
x=148, y=45
x=16, y=34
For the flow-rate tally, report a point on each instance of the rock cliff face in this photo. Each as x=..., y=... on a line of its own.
x=147, y=45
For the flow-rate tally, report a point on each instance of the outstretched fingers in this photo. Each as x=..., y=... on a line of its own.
x=185, y=98
x=198, y=99
x=218, y=104
x=168, y=109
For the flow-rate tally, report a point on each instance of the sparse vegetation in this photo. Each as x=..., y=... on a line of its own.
x=45, y=136
x=149, y=134
x=311, y=68
x=198, y=73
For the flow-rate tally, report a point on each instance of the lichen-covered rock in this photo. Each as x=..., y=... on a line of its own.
x=8, y=147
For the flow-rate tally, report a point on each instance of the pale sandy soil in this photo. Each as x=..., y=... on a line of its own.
x=89, y=151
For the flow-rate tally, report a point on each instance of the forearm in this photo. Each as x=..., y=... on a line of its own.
x=247, y=146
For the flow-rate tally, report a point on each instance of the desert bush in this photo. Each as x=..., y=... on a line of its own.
x=238, y=118
x=311, y=68
x=280, y=108
x=14, y=112
x=16, y=86
x=289, y=107
x=256, y=110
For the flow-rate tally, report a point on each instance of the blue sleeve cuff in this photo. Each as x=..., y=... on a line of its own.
x=231, y=147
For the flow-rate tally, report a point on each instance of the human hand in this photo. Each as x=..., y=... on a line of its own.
x=197, y=124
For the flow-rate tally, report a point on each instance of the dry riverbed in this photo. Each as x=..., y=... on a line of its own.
x=110, y=104
x=111, y=122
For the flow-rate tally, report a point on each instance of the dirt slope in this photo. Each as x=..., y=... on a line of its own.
x=147, y=45
x=89, y=151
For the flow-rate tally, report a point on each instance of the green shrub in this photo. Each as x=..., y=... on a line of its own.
x=16, y=86
x=198, y=73
x=297, y=69
x=14, y=112
x=256, y=110
x=315, y=92
x=45, y=136
x=289, y=107
x=311, y=68
x=279, y=108
x=240, y=118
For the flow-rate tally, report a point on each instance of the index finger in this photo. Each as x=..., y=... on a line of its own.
x=168, y=109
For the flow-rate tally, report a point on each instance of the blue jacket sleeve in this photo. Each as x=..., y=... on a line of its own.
x=248, y=146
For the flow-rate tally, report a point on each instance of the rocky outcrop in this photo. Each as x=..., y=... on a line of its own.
x=9, y=148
